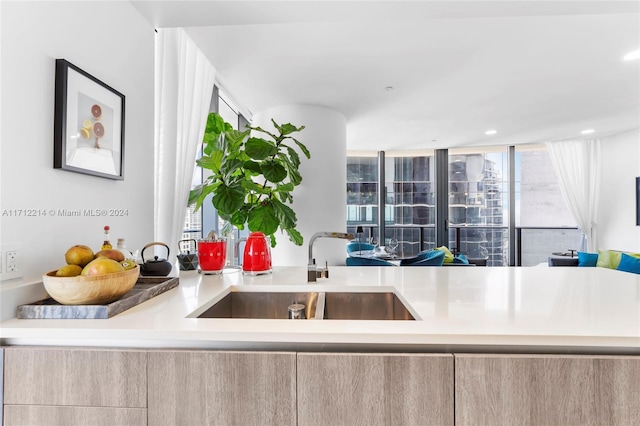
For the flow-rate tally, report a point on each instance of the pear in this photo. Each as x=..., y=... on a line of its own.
x=79, y=255
x=69, y=271
x=101, y=266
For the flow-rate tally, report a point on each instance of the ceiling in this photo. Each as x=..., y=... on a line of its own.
x=412, y=75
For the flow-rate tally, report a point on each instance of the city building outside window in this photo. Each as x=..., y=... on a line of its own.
x=478, y=203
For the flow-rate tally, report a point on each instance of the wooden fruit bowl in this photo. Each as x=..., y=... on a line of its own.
x=90, y=290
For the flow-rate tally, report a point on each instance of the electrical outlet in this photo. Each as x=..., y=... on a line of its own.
x=10, y=263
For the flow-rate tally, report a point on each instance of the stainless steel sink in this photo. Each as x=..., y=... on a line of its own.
x=318, y=305
x=364, y=306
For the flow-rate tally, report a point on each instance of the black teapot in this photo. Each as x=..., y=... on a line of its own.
x=188, y=261
x=155, y=267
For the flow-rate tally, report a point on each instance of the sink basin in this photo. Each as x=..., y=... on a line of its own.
x=261, y=305
x=318, y=305
x=364, y=306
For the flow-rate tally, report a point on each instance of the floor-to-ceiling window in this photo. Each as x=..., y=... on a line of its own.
x=478, y=203
x=503, y=203
x=409, y=200
x=545, y=224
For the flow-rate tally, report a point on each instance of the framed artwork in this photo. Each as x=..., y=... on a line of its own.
x=88, y=124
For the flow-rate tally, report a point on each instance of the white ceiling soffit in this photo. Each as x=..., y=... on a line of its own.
x=535, y=71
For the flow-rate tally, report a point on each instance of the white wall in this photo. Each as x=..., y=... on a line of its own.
x=617, y=209
x=114, y=43
x=320, y=202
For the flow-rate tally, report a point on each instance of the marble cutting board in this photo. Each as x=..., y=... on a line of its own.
x=145, y=289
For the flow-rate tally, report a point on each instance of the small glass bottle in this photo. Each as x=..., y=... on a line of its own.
x=106, y=245
x=122, y=249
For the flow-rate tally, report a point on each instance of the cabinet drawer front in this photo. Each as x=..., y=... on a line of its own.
x=29, y=415
x=222, y=388
x=87, y=377
x=375, y=389
x=547, y=389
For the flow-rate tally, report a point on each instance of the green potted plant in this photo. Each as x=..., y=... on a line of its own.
x=252, y=177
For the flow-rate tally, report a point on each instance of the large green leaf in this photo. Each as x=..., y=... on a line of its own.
x=294, y=236
x=289, y=128
x=273, y=171
x=198, y=194
x=215, y=124
x=263, y=218
x=253, y=186
x=293, y=156
x=239, y=218
x=230, y=165
x=228, y=199
x=259, y=149
x=211, y=162
x=235, y=139
x=284, y=214
x=294, y=175
x=252, y=166
x=285, y=187
x=302, y=147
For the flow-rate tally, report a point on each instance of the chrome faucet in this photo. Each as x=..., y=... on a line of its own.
x=313, y=272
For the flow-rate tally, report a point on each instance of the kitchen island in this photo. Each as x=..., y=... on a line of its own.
x=533, y=345
x=531, y=309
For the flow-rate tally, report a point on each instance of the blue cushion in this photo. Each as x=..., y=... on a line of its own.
x=357, y=246
x=587, y=259
x=461, y=259
x=434, y=261
x=367, y=261
x=423, y=255
x=629, y=264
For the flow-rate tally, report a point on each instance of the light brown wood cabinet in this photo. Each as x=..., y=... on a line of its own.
x=375, y=389
x=54, y=386
x=80, y=386
x=222, y=388
x=547, y=390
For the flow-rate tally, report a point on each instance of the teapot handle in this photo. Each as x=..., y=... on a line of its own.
x=195, y=244
x=153, y=244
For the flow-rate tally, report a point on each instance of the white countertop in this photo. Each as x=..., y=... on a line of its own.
x=460, y=309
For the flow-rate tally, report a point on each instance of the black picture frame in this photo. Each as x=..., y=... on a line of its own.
x=638, y=201
x=88, y=124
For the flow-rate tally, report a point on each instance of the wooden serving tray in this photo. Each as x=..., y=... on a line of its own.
x=145, y=289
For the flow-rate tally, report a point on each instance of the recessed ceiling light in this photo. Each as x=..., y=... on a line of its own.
x=490, y=132
x=632, y=55
x=388, y=88
x=587, y=131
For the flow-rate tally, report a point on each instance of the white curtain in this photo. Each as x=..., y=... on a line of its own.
x=577, y=166
x=184, y=81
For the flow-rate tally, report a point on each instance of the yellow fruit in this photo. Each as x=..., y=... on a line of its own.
x=111, y=254
x=101, y=266
x=69, y=271
x=128, y=264
x=79, y=255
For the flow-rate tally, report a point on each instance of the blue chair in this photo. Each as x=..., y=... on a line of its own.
x=367, y=261
x=356, y=246
x=425, y=258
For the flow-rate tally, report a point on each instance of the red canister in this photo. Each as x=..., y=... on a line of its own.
x=212, y=256
x=257, y=255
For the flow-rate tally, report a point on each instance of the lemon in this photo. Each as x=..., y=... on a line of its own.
x=69, y=271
